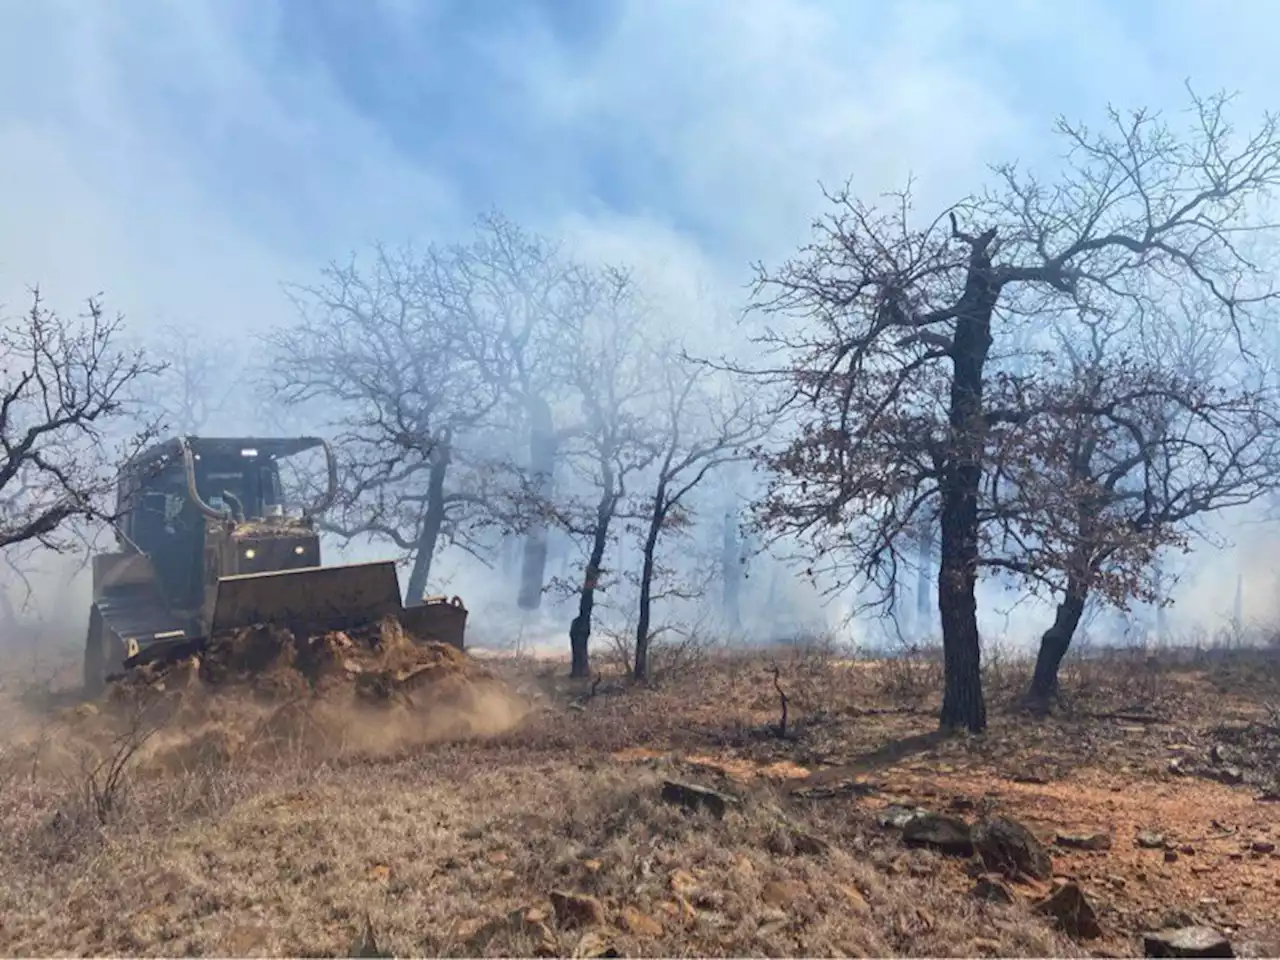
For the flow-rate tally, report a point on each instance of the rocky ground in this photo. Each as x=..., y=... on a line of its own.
x=601, y=819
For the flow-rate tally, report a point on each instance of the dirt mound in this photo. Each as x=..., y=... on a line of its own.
x=379, y=663
x=264, y=689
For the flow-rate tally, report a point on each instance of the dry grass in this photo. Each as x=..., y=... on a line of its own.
x=453, y=844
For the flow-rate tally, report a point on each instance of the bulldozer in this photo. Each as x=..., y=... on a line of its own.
x=207, y=544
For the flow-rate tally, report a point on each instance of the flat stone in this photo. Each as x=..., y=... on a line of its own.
x=1084, y=841
x=940, y=831
x=1186, y=942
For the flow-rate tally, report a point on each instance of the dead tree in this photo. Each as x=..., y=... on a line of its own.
x=199, y=383
x=702, y=424
x=532, y=301
x=64, y=411
x=399, y=375
x=1145, y=430
x=612, y=377
x=890, y=354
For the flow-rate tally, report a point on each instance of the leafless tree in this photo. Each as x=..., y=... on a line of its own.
x=701, y=424
x=889, y=360
x=399, y=375
x=533, y=301
x=64, y=389
x=1140, y=434
x=199, y=384
x=612, y=376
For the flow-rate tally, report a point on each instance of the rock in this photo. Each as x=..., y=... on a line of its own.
x=992, y=890
x=1228, y=775
x=1186, y=942
x=576, y=909
x=1171, y=856
x=896, y=817
x=1072, y=912
x=985, y=946
x=1187, y=850
x=640, y=924
x=940, y=831
x=693, y=797
x=1262, y=846
x=1084, y=841
x=1220, y=754
x=1150, y=840
x=1009, y=848
x=87, y=710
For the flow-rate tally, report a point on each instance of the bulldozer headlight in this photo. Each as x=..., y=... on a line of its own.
x=299, y=550
x=250, y=553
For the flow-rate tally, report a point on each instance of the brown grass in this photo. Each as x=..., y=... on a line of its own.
x=448, y=834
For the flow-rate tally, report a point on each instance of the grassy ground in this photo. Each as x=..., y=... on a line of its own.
x=552, y=838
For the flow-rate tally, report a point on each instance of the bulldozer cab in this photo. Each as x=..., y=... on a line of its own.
x=167, y=495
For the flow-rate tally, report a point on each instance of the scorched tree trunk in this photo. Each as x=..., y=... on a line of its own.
x=432, y=524
x=1056, y=642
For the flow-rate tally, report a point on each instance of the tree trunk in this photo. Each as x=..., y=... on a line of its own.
x=1055, y=643
x=432, y=523
x=731, y=571
x=641, y=666
x=580, y=629
x=542, y=462
x=962, y=700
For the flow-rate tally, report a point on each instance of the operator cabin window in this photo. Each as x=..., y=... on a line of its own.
x=251, y=489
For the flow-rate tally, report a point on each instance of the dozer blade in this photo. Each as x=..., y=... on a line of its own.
x=313, y=598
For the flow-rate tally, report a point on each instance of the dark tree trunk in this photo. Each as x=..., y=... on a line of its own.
x=1055, y=643
x=731, y=571
x=962, y=700
x=432, y=523
x=542, y=463
x=580, y=629
x=641, y=666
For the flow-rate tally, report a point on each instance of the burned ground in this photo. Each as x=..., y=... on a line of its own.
x=558, y=832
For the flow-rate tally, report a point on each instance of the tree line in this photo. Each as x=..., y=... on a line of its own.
x=1059, y=377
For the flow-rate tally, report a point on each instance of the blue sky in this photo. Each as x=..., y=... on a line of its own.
x=185, y=156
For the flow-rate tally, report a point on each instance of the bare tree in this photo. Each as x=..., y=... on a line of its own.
x=399, y=374
x=64, y=389
x=889, y=367
x=199, y=383
x=533, y=301
x=1120, y=454
x=611, y=374
x=702, y=424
